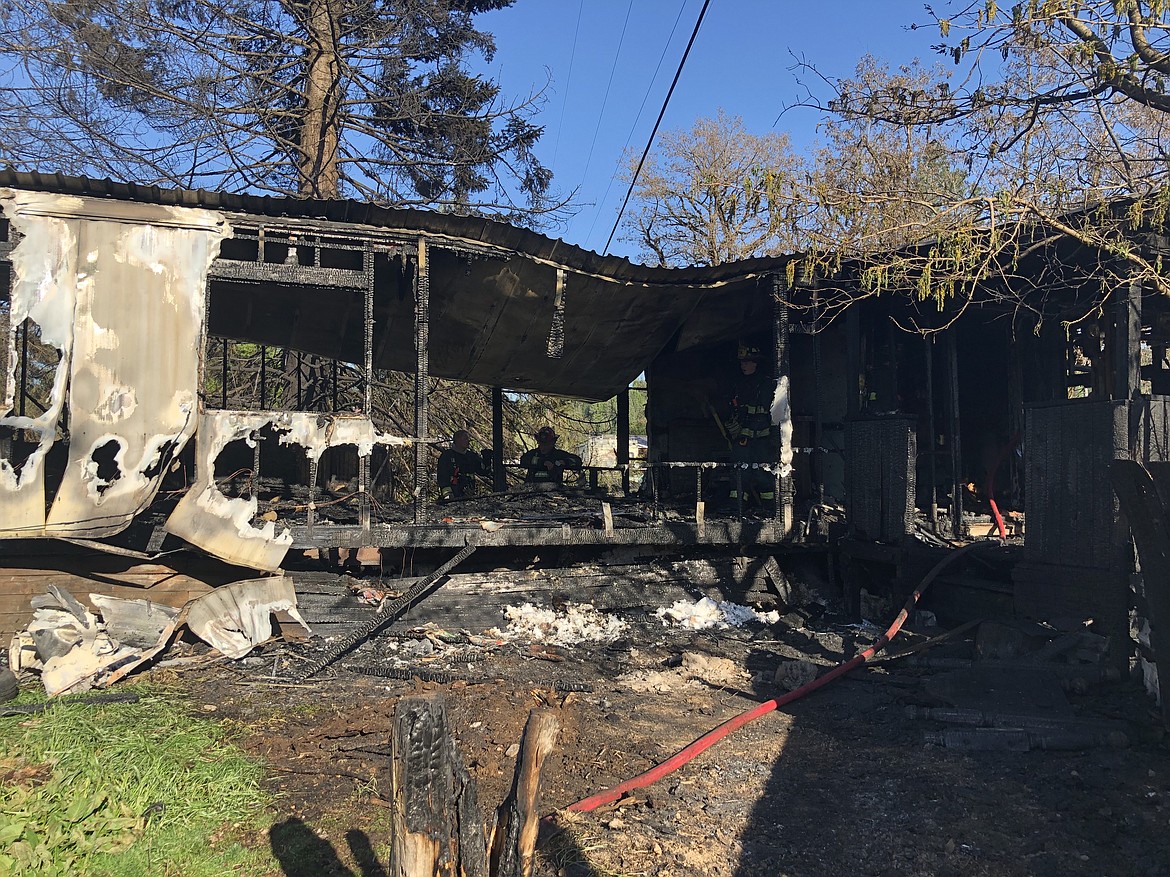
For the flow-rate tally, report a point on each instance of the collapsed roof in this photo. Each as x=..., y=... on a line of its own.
x=507, y=307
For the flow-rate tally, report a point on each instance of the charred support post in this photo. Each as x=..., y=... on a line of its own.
x=1147, y=516
x=254, y=484
x=364, y=485
x=422, y=318
x=853, y=360
x=1127, y=348
x=263, y=377
x=23, y=367
x=785, y=486
x=818, y=452
x=499, y=476
x=956, y=442
x=223, y=373
x=623, y=437
x=300, y=360
x=932, y=439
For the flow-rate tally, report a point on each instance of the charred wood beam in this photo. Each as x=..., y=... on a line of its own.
x=387, y=616
x=715, y=532
x=499, y=476
x=422, y=317
x=437, y=827
x=298, y=275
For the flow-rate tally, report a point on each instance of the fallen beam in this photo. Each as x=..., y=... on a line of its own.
x=387, y=616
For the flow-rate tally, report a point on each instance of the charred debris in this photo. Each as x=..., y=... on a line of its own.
x=140, y=501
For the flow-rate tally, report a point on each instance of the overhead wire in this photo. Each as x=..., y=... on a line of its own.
x=653, y=134
x=638, y=116
x=568, y=82
x=608, y=85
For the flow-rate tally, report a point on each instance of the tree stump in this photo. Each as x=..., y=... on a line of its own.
x=437, y=825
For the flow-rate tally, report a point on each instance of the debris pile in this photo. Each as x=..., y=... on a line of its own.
x=75, y=650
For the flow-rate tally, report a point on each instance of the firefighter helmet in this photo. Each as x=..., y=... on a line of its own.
x=546, y=434
x=748, y=353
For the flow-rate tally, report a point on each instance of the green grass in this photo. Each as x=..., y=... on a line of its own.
x=127, y=789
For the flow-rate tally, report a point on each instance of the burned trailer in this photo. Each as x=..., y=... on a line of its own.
x=126, y=308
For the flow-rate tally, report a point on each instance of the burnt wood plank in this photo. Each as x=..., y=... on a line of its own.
x=1151, y=532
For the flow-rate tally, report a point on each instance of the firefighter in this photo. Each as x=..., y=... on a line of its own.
x=459, y=467
x=749, y=429
x=546, y=463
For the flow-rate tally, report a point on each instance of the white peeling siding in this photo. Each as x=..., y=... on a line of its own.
x=118, y=288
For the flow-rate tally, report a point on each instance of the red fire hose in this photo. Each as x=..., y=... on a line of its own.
x=714, y=736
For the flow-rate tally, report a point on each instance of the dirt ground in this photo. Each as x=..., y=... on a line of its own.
x=844, y=781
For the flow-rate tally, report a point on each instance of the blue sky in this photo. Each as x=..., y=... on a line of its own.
x=608, y=65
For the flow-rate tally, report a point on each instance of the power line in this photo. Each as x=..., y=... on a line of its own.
x=650, y=142
x=649, y=86
x=568, y=83
x=605, y=99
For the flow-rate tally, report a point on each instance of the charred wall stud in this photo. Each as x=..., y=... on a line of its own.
x=422, y=317
x=623, y=438
x=785, y=485
x=364, y=485
x=932, y=437
x=499, y=476
x=956, y=447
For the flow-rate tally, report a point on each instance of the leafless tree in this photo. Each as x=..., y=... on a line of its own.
x=716, y=193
